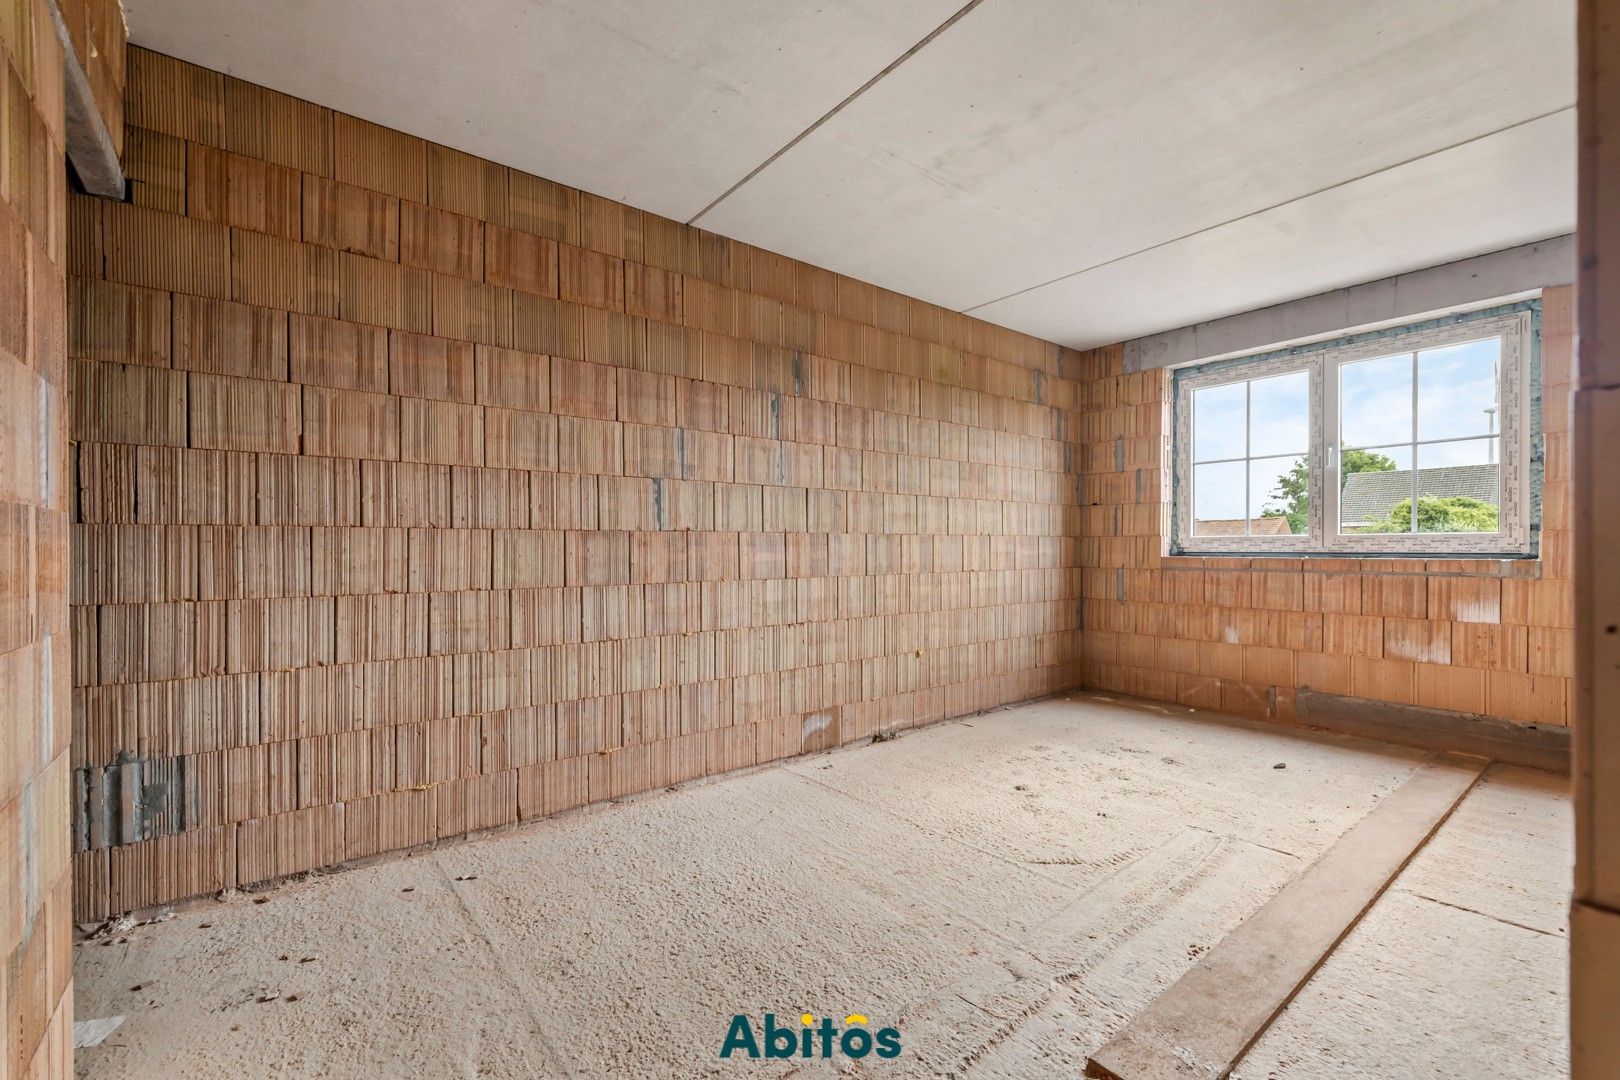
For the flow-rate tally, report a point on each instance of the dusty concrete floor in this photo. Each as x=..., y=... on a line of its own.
x=1006, y=890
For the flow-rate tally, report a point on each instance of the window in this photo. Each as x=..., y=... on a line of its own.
x=1407, y=441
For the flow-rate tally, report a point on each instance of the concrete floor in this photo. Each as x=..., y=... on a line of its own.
x=1006, y=890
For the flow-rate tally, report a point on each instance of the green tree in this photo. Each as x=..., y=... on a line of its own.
x=1455, y=513
x=1293, y=487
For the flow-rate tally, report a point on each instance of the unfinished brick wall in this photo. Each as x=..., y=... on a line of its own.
x=417, y=495
x=1470, y=635
x=36, y=999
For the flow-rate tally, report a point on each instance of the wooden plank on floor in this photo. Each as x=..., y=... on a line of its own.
x=1209, y=1017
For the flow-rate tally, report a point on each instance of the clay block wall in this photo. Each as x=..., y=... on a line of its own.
x=417, y=495
x=1477, y=636
x=36, y=1000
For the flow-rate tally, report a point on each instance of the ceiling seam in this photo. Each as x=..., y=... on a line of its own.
x=1267, y=209
x=836, y=109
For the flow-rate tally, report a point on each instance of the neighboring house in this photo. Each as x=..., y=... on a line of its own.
x=1264, y=526
x=1368, y=497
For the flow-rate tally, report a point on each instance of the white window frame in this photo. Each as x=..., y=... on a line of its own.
x=1514, y=327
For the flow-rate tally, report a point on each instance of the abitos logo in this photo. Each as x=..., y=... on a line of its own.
x=809, y=1039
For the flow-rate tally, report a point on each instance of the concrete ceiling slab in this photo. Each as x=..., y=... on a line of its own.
x=1034, y=140
x=660, y=105
x=1483, y=196
x=1084, y=170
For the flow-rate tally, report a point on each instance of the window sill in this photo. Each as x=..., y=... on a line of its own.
x=1343, y=564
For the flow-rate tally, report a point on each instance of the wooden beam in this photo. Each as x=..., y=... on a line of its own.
x=1594, y=991
x=1595, y=917
x=1209, y=1018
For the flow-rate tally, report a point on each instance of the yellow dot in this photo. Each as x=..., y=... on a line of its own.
x=807, y=1019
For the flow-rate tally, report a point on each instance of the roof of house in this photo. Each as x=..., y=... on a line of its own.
x=1370, y=496
x=1262, y=526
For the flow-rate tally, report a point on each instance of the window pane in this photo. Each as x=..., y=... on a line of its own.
x=1413, y=435
x=1375, y=401
x=1279, y=495
x=1218, y=499
x=1375, y=490
x=1219, y=416
x=1457, y=390
x=1280, y=414
x=1459, y=487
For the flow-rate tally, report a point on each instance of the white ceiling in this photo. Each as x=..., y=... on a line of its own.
x=1083, y=170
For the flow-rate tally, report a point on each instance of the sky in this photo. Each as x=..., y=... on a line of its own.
x=1455, y=384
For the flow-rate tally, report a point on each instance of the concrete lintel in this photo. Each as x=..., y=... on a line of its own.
x=1405, y=297
x=89, y=144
